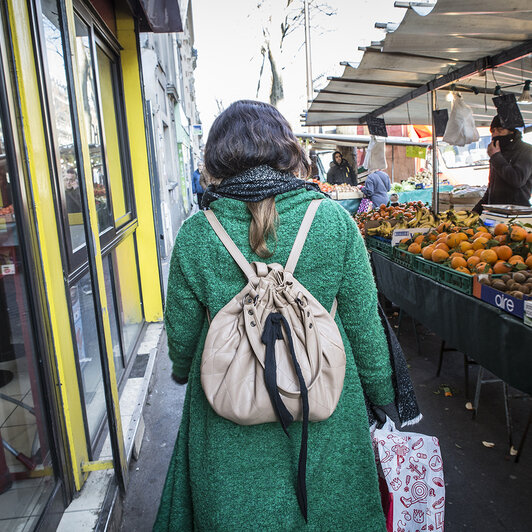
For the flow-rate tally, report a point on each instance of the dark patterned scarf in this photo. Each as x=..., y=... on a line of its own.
x=256, y=184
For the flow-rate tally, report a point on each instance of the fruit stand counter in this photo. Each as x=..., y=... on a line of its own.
x=497, y=341
x=424, y=194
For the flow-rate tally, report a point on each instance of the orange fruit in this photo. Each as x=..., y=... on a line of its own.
x=404, y=240
x=433, y=235
x=414, y=248
x=427, y=252
x=419, y=239
x=469, y=253
x=478, y=252
x=529, y=238
x=528, y=262
x=469, y=231
x=458, y=262
x=489, y=256
x=501, y=238
x=472, y=262
x=453, y=240
x=500, y=229
x=480, y=243
x=500, y=267
x=443, y=227
x=483, y=229
x=456, y=254
x=465, y=245
x=503, y=252
x=518, y=233
x=483, y=267
x=461, y=269
x=443, y=246
x=439, y=255
x=515, y=258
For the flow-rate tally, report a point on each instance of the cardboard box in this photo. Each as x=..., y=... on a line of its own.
x=501, y=300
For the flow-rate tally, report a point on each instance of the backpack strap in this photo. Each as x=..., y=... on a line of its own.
x=291, y=263
x=230, y=245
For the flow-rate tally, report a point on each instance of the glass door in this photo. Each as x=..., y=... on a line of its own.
x=28, y=478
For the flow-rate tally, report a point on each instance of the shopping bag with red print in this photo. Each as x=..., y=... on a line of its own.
x=411, y=479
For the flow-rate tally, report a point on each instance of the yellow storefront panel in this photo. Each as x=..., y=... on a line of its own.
x=48, y=235
x=147, y=245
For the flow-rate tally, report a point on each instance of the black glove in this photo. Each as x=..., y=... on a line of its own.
x=179, y=380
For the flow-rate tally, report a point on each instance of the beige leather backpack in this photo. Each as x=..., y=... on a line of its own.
x=274, y=353
x=246, y=374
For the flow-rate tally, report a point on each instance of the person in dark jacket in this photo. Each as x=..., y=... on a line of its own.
x=340, y=172
x=196, y=186
x=510, y=178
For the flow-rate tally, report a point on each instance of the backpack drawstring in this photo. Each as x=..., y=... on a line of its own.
x=273, y=332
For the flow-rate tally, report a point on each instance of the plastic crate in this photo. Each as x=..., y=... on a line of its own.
x=457, y=280
x=380, y=245
x=404, y=258
x=427, y=268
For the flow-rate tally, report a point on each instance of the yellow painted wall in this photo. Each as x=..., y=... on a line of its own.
x=48, y=234
x=147, y=245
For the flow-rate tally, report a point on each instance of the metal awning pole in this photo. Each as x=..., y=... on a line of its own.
x=435, y=179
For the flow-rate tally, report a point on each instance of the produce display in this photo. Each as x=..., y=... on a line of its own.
x=421, y=179
x=517, y=284
x=328, y=188
x=7, y=210
x=409, y=215
x=474, y=249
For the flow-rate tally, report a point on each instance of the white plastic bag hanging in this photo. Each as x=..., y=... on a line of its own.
x=375, y=158
x=461, y=129
x=411, y=479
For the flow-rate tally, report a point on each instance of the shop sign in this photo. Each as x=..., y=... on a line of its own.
x=8, y=269
x=504, y=301
x=418, y=152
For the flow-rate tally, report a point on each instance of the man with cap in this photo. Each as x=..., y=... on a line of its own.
x=510, y=178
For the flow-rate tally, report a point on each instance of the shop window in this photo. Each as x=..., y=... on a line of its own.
x=113, y=318
x=107, y=72
x=88, y=353
x=60, y=113
x=27, y=477
x=126, y=282
x=93, y=130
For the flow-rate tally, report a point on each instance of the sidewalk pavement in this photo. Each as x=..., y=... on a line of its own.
x=486, y=490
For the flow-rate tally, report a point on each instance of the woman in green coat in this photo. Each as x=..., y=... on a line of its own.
x=229, y=477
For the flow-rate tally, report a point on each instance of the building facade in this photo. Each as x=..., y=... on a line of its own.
x=79, y=270
x=168, y=63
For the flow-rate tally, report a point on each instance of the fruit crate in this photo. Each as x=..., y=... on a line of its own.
x=427, y=268
x=379, y=244
x=457, y=280
x=404, y=258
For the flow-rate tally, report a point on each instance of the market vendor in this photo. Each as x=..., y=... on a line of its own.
x=510, y=178
x=376, y=188
x=340, y=172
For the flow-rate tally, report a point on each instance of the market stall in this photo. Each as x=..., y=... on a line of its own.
x=495, y=339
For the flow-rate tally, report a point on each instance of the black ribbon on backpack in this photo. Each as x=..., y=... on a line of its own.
x=273, y=332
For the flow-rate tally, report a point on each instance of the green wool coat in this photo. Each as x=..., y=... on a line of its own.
x=229, y=477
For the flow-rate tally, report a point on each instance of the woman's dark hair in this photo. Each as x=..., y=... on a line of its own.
x=249, y=134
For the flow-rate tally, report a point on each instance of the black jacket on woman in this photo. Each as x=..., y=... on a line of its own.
x=341, y=173
x=510, y=179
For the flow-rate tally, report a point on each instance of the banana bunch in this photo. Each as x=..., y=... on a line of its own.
x=384, y=229
x=465, y=218
x=423, y=218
